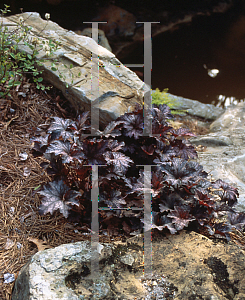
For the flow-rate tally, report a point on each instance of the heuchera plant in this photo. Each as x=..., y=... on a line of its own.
x=181, y=193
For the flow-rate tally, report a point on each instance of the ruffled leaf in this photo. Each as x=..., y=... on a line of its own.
x=119, y=161
x=181, y=217
x=60, y=127
x=132, y=125
x=57, y=195
x=94, y=150
x=227, y=194
x=80, y=124
x=113, y=199
x=67, y=151
x=182, y=173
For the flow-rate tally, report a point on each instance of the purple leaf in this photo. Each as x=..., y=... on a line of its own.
x=180, y=172
x=222, y=230
x=228, y=193
x=114, y=145
x=237, y=219
x=168, y=201
x=166, y=222
x=112, y=130
x=161, y=113
x=113, y=199
x=183, y=149
x=158, y=128
x=130, y=148
x=119, y=160
x=80, y=124
x=94, y=150
x=154, y=220
x=182, y=132
x=148, y=149
x=41, y=140
x=40, y=145
x=55, y=167
x=157, y=183
x=143, y=183
x=132, y=125
x=67, y=151
x=57, y=195
x=181, y=217
x=205, y=200
x=59, y=127
x=201, y=214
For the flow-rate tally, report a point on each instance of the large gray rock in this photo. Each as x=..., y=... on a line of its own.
x=224, y=157
x=64, y=273
x=119, y=88
x=196, y=108
x=184, y=266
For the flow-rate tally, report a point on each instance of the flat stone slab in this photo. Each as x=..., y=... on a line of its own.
x=102, y=82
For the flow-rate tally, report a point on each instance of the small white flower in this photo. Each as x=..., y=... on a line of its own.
x=35, y=41
x=46, y=47
x=47, y=16
x=21, y=20
x=47, y=53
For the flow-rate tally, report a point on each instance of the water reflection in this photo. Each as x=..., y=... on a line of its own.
x=218, y=42
x=224, y=101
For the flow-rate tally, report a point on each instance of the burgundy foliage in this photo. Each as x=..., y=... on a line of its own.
x=181, y=193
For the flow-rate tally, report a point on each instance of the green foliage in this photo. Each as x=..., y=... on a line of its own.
x=164, y=98
x=13, y=63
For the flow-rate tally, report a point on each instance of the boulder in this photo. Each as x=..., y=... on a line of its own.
x=196, y=108
x=184, y=266
x=119, y=89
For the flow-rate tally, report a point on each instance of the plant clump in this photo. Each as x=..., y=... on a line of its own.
x=15, y=64
x=163, y=97
x=182, y=196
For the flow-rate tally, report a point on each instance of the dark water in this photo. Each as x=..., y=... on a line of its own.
x=178, y=57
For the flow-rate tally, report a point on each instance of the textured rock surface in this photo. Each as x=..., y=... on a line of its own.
x=102, y=40
x=196, y=108
x=117, y=84
x=64, y=273
x=224, y=157
x=185, y=266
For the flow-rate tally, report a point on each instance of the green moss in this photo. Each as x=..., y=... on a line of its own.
x=164, y=98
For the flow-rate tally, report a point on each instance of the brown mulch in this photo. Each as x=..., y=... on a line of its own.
x=20, y=114
x=22, y=230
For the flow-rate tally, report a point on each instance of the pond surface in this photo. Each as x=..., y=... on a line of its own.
x=217, y=41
